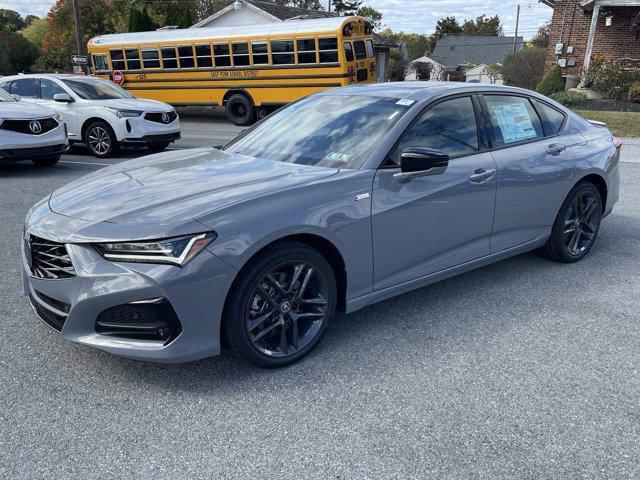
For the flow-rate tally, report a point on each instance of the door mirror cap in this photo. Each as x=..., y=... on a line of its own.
x=63, y=97
x=419, y=159
x=17, y=98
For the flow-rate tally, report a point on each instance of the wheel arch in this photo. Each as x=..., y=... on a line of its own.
x=89, y=121
x=234, y=91
x=600, y=183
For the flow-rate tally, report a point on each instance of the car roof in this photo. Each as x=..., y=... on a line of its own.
x=38, y=75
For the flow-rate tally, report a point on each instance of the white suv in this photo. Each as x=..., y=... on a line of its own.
x=30, y=132
x=99, y=113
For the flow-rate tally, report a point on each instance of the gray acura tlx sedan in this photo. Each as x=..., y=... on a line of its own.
x=340, y=200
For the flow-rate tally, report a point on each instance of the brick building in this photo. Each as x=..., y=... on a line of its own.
x=581, y=29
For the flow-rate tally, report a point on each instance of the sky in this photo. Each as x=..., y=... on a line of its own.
x=418, y=16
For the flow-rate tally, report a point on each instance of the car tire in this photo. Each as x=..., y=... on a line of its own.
x=158, y=147
x=46, y=161
x=240, y=110
x=576, y=227
x=274, y=315
x=101, y=140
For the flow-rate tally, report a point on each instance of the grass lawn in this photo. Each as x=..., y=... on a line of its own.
x=621, y=124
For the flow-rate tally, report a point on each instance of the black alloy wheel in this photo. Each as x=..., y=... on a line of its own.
x=240, y=110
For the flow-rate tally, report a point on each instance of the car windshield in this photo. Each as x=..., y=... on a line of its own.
x=5, y=97
x=95, y=89
x=323, y=130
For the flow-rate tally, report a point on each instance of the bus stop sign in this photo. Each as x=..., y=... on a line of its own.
x=117, y=77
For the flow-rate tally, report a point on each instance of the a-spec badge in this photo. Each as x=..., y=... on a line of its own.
x=362, y=196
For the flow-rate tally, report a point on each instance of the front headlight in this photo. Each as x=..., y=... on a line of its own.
x=122, y=113
x=57, y=117
x=173, y=251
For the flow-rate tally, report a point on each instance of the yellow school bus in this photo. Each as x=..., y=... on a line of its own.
x=248, y=69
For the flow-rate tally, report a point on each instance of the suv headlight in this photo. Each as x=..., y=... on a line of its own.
x=173, y=251
x=122, y=113
x=57, y=117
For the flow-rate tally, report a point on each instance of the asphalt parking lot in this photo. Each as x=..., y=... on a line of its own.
x=523, y=369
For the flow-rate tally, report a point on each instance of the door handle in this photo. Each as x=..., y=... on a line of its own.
x=556, y=149
x=481, y=175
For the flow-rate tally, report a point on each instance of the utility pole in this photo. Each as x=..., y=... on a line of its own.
x=515, y=40
x=329, y=6
x=76, y=21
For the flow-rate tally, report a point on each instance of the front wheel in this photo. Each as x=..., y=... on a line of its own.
x=280, y=305
x=240, y=110
x=101, y=140
x=577, y=224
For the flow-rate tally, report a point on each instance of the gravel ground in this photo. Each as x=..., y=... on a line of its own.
x=523, y=369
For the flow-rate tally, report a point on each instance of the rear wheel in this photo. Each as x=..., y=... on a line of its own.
x=101, y=140
x=46, y=161
x=240, y=110
x=280, y=305
x=577, y=224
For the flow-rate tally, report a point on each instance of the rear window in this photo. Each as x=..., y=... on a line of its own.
x=360, y=49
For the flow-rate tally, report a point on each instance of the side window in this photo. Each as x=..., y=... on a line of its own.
x=260, y=53
x=240, y=54
x=348, y=52
x=282, y=52
x=185, y=53
x=370, y=50
x=513, y=119
x=307, y=50
x=222, y=55
x=100, y=63
x=552, y=119
x=6, y=86
x=169, y=58
x=360, y=49
x=203, y=56
x=117, y=59
x=49, y=88
x=133, y=58
x=150, y=58
x=449, y=127
x=26, y=88
x=328, y=48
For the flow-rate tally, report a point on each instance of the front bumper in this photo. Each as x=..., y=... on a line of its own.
x=33, y=152
x=195, y=292
x=150, y=139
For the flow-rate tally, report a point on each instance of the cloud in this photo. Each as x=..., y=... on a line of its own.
x=29, y=7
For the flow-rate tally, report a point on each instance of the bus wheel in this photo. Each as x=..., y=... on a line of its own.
x=262, y=112
x=239, y=110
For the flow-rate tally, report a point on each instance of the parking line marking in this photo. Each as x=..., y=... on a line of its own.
x=87, y=163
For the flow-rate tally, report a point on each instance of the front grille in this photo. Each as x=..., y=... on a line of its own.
x=52, y=319
x=32, y=152
x=44, y=125
x=157, y=117
x=47, y=259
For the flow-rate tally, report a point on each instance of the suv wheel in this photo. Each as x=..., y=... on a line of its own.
x=101, y=140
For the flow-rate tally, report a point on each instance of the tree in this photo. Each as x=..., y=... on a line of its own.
x=447, y=26
x=36, y=32
x=372, y=14
x=344, y=7
x=17, y=54
x=10, y=21
x=541, y=39
x=525, y=68
x=418, y=44
x=483, y=25
x=495, y=72
x=140, y=21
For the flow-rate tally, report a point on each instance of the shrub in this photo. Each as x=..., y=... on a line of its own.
x=570, y=99
x=609, y=77
x=551, y=83
x=524, y=69
x=634, y=92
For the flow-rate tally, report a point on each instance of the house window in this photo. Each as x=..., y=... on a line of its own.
x=133, y=58
x=117, y=59
x=169, y=58
x=260, y=53
x=150, y=58
x=240, y=54
x=328, y=48
x=222, y=55
x=203, y=56
x=307, y=50
x=282, y=52
x=185, y=53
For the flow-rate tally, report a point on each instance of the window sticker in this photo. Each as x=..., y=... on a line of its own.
x=338, y=157
x=405, y=102
x=514, y=121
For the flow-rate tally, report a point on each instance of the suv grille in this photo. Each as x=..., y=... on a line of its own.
x=47, y=259
x=44, y=125
x=157, y=117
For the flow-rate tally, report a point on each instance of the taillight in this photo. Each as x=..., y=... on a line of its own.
x=617, y=142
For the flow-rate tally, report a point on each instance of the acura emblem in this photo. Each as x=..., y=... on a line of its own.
x=165, y=117
x=35, y=126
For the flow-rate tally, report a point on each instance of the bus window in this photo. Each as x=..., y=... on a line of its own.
x=370, y=51
x=133, y=58
x=348, y=51
x=360, y=49
x=307, y=50
x=282, y=52
x=185, y=53
x=221, y=54
x=117, y=59
x=100, y=63
x=240, y=54
x=203, y=56
x=328, y=48
x=169, y=59
x=150, y=58
x=260, y=53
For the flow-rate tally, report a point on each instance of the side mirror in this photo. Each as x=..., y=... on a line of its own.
x=418, y=162
x=17, y=98
x=63, y=98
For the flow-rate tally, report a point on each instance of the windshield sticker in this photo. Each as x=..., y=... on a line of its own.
x=405, y=102
x=514, y=121
x=338, y=157
x=394, y=115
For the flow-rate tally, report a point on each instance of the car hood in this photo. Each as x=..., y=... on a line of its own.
x=176, y=186
x=24, y=110
x=134, y=104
